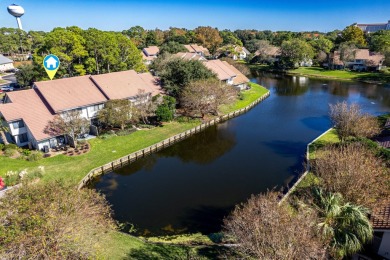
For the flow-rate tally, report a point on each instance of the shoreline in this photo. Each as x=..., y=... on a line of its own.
x=132, y=157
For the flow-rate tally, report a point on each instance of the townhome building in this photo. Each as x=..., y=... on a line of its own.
x=26, y=113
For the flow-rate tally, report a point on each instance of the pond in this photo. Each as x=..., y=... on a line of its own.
x=192, y=185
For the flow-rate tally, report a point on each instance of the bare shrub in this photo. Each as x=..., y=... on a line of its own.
x=355, y=172
x=349, y=121
x=264, y=230
x=205, y=96
x=52, y=221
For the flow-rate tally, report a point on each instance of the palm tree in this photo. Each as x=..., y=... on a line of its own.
x=345, y=226
x=3, y=129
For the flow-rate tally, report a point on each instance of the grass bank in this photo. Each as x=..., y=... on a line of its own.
x=247, y=97
x=341, y=74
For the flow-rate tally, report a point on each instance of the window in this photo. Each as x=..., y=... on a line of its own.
x=96, y=108
x=23, y=138
x=18, y=124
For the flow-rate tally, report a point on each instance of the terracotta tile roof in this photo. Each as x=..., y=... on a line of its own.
x=29, y=106
x=218, y=67
x=381, y=218
x=240, y=78
x=151, y=50
x=69, y=93
x=125, y=84
x=189, y=56
x=153, y=82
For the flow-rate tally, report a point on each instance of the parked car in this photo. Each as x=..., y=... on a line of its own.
x=7, y=88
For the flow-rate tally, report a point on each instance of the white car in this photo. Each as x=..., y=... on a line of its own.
x=7, y=88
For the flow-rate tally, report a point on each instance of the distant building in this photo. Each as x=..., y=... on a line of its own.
x=190, y=56
x=194, y=48
x=149, y=54
x=374, y=27
x=364, y=60
x=5, y=63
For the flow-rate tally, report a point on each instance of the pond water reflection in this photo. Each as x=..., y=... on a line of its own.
x=192, y=185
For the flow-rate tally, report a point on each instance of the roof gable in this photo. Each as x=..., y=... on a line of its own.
x=29, y=106
x=126, y=84
x=69, y=93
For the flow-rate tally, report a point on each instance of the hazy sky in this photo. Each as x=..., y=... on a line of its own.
x=261, y=15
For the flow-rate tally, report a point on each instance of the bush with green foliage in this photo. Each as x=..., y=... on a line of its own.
x=9, y=152
x=176, y=73
x=166, y=110
x=35, y=156
x=1, y=146
x=11, y=146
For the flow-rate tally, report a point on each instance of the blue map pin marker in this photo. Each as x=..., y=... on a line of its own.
x=51, y=63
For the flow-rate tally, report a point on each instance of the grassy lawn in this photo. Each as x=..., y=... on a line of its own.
x=329, y=138
x=2, y=81
x=102, y=151
x=249, y=96
x=340, y=74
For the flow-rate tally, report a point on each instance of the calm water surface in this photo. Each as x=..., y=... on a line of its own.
x=192, y=185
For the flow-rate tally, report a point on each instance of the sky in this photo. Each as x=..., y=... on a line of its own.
x=323, y=16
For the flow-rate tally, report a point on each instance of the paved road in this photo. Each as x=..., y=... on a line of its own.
x=10, y=77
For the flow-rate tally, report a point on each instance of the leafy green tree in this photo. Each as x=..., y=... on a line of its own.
x=347, y=51
x=179, y=35
x=166, y=110
x=117, y=112
x=229, y=38
x=282, y=36
x=380, y=42
x=346, y=226
x=175, y=73
x=208, y=37
x=354, y=35
x=137, y=34
x=255, y=45
x=26, y=75
x=322, y=44
x=52, y=220
x=245, y=35
x=295, y=51
x=69, y=47
x=172, y=48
